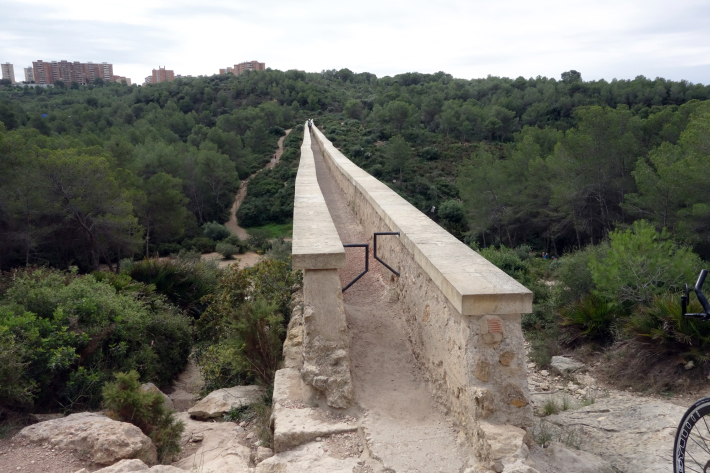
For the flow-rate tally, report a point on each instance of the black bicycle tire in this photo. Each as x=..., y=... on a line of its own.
x=696, y=412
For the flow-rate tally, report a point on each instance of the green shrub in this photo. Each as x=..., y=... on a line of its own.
x=77, y=330
x=227, y=250
x=15, y=388
x=429, y=153
x=258, y=240
x=642, y=263
x=281, y=250
x=241, y=332
x=183, y=281
x=661, y=328
x=590, y=318
x=167, y=249
x=127, y=402
x=202, y=244
x=573, y=274
x=215, y=231
x=238, y=242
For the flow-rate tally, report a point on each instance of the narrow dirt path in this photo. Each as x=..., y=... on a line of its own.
x=242, y=192
x=405, y=429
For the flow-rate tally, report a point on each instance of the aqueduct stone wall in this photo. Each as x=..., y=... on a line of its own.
x=463, y=313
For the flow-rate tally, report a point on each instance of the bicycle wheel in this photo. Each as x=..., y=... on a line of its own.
x=691, y=449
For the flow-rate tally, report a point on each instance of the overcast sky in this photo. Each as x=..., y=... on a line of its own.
x=469, y=39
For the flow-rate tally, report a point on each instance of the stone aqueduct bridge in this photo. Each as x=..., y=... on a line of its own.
x=462, y=312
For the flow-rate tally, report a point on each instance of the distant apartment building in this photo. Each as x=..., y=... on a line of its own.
x=239, y=69
x=120, y=79
x=29, y=74
x=161, y=75
x=228, y=70
x=8, y=72
x=66, y=71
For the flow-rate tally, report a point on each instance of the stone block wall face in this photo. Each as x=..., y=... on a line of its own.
x=475, y=364
x=318, y=342
x=326, y=359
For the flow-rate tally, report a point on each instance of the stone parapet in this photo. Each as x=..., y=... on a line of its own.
x=316, y=244
x=462, y=312
x=322, y=334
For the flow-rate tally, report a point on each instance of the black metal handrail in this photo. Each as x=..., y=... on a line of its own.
x=367, y=261
x=375, y=250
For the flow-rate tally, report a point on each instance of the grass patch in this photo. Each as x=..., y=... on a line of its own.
x=275, y=230
x=550, y=407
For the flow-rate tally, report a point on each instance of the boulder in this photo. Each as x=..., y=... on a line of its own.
x=575, y=461
x=125, y=466
x=504, y=440
x=219, y=402
x=220, y=449
x=310, y=457
x=563, y=365
x=150, y=387
x=262, y=453
x=105, y=441
x=634, y=434
x=136, y=466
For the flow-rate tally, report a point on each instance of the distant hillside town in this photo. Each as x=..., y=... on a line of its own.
x=46, y=73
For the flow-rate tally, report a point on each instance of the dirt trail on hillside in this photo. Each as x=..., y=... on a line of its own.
x=242, y=192
x=407, y=432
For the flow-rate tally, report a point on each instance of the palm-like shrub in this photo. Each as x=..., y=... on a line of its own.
x=127, y=402
x=590, y=318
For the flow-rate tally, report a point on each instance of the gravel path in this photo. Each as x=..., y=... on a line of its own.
x=405, y=429
x=232, y=224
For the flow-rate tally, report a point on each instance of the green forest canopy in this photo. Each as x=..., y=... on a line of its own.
x=90, y=174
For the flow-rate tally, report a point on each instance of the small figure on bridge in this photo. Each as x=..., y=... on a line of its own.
x=310, y=125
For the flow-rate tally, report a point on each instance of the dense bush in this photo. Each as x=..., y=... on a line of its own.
x=75, y=331
x=15, y=388
x=258, y=239
x=241, y=331
x=127, y=402
x=183, y=281
x=281, y=250
x=227, y=250
x=640, y=264
x=215, y=231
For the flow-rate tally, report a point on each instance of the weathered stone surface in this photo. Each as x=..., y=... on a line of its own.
x=326, y=360
x=220, y=450
x=104, y=440
x=262, y=453
x=150, y=387
x=504, y=440
x=634, y=434
x=458, y=308
x=563, y=365
x=293, y=345
x=575, y=461
x=219, y=402
x=311, y=458
x=125, y=466
x=293, y=427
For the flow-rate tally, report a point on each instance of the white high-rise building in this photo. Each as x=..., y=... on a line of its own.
x=8, y=72
x=29, y=74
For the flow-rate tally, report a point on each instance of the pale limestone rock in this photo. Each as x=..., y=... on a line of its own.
x=125, y=466
x=575, y=461
x=262, y=453
x=219, y=402
x=220, y=450
x=105, y=441
x=634, y=434
x=311, y=458
x=293, y=427
x=293, y=345
x=563, y=365
x=504, y=440
x=150, y=387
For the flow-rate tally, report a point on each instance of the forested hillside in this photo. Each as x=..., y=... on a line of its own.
x=89, y=174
